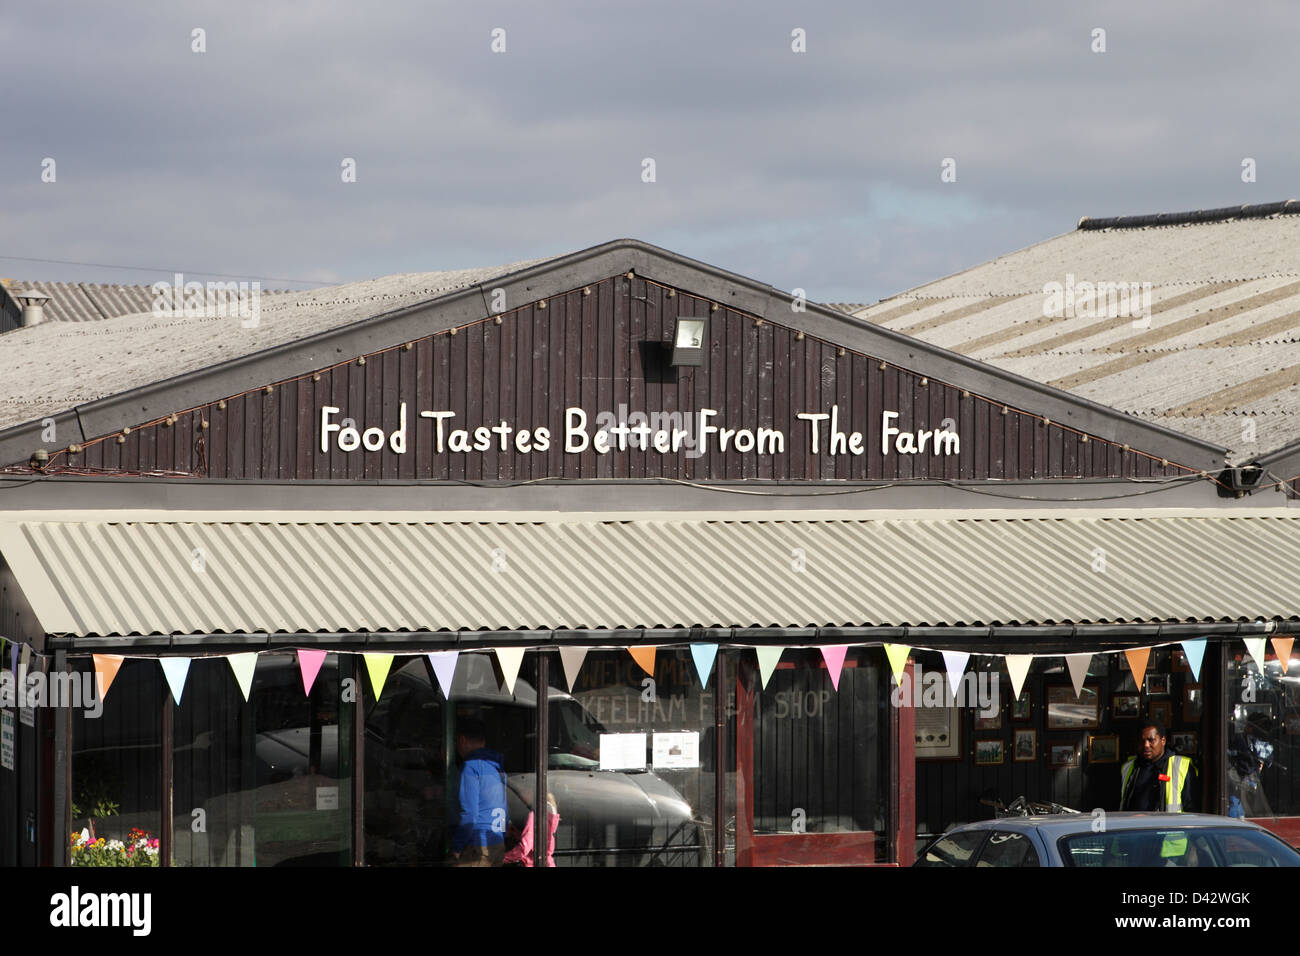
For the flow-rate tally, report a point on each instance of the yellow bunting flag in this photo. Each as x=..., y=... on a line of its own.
x=897, y=654
x=378, y=666
x=768, y=658
x=243, y=665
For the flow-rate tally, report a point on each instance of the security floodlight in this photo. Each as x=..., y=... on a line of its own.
x=688, y=340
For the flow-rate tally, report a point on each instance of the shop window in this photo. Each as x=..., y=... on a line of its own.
x=630, y=762
x=116, y=766
x=263, y=782
x=1049, y=746
x=1263, y=737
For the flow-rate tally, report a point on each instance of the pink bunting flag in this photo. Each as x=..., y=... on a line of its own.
x=309, y=663
x=834, y=654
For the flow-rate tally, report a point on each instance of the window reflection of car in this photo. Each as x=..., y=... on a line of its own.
x=613, y=818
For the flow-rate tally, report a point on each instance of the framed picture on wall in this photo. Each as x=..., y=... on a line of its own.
x=1025, y=746
x=1067, y=712
x=1184, y=742
x=1157, y=684
x=1062, y=755
x=1161, y=710
x=1103, y=748
x=1293, y=723
x=1022, y=707
x=989, y=753
x=938, y=733
x=989, y=723
x=1125, y=706
x=1180, y=661
x=1193, y=704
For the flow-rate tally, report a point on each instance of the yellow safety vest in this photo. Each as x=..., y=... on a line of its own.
x=1177, y=769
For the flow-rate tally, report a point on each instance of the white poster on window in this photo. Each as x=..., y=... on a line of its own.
x=677, y=751
x=622, y=751
x=7, y=740
x=327, y=798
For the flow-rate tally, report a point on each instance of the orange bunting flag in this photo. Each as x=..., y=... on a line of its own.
x=106, y=667
x=1137, y=662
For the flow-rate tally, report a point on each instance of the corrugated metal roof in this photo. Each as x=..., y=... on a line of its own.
x=546, y=572
x=1222, y=345
x=89, y=301
x=55, y=366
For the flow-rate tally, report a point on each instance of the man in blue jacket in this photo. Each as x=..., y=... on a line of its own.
x=479, y=838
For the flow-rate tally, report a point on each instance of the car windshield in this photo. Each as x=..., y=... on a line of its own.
x=1199, y=846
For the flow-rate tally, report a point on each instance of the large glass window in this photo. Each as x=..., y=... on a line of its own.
x=1263, y=737
x=631, y=762
x=116, y=766
x=263, y=782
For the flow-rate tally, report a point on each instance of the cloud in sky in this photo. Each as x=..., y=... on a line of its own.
x=819, y=170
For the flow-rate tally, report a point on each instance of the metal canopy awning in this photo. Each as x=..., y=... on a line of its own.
x=314, y=573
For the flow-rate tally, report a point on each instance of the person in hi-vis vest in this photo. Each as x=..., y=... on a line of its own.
x=1157, y=779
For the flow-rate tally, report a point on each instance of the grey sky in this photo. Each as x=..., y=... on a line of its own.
x=818, y=170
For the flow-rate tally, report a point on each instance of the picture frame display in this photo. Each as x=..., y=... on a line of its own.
x=1103, y=748
x=1125, y=706
x=1060, y=756
x=1022, y=708
x=990, y=753
x=1067, y=712
x=1025, y=745
x=938, y=733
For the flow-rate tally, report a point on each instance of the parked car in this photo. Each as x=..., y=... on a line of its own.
x=1118, y=839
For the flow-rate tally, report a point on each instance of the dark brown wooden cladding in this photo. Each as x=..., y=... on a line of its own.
x=604, y=352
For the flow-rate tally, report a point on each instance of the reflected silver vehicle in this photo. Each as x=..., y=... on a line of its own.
x=1115, y=840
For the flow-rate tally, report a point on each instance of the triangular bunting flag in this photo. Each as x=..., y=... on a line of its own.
x=1195, y=651
x=243, y=665
x=175, y=669
x=106, y=666
x=1078, y=665
x=309, y=664
x=897, y=654
x=954, y=662
x=378, y=666
x=833, y=654
x=1282, y=648
x=571, y=659
x=1255, y=647
x=703, y=655
x=645, y=656
x=1018, y=668
x=510, y=658
x=768, y=658
x=444, y=668
x=1137, y=663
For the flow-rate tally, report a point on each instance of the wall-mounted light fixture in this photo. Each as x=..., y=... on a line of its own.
x=688, y=340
